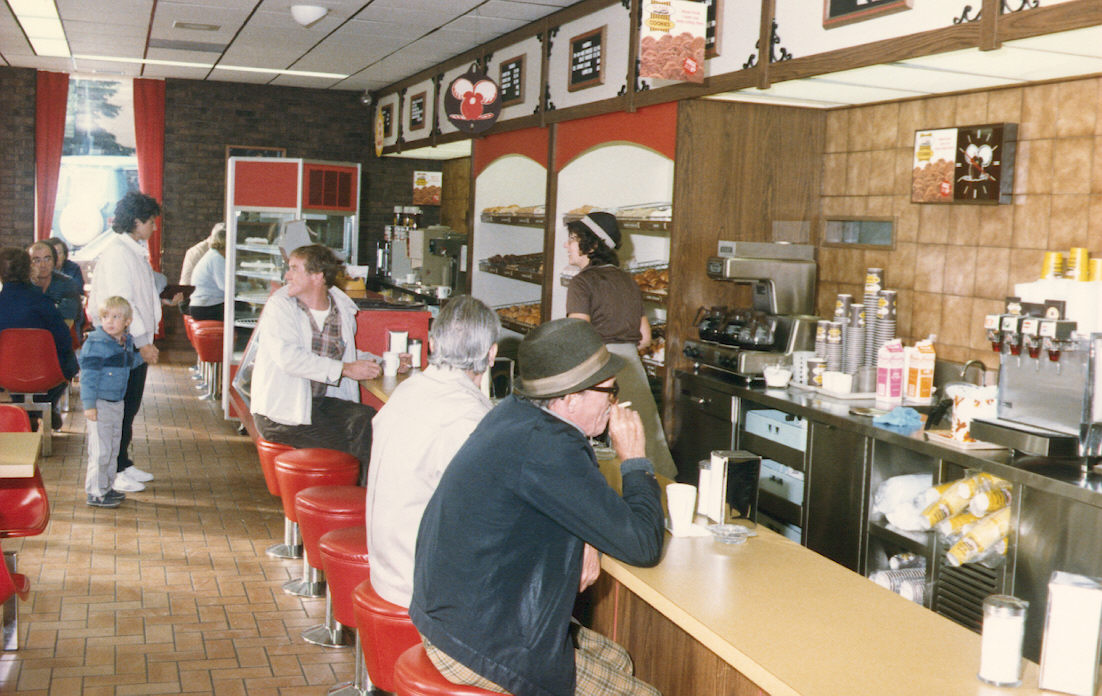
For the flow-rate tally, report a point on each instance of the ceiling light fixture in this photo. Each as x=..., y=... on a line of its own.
x=307, y=15
x=210, y=66
x=42, y=26
x=195, y=26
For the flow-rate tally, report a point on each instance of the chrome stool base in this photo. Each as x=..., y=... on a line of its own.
x=360, y=684
x=311, y=584
x=330, y=634
x=10, y=608
x=291, y=548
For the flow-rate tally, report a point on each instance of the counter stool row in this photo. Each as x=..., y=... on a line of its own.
x=324, y=525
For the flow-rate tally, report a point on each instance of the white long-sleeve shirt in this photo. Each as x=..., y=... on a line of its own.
x=123, y=269
x=209, y=279
x=285, y=365
x=414, y=437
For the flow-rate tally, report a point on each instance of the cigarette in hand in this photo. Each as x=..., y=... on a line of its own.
x=624, y=404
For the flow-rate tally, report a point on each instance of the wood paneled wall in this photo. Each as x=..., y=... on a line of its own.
x=739, y=167
x=455, y=198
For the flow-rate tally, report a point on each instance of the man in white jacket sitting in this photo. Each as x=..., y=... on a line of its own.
x=304, y=384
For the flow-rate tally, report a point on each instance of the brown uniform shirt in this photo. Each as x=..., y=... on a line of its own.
x=611, y=299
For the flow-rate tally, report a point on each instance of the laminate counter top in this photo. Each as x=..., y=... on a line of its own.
x=798, y=624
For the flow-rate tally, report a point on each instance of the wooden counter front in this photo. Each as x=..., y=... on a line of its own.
x=788, y=621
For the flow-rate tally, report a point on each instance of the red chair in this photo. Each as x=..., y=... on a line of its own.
x=291, y=548
x=385, y=631
x=303, y=468
x=207, y=340
x=29, y=369
x=322, y=509
x=344, y=557
x=415, y=675
x=189, y=331
x=14, y=419
x=12, y=585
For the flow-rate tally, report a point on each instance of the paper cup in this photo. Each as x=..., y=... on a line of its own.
x=680, y=501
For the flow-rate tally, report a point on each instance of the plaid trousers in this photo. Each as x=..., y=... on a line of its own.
x=603, y=668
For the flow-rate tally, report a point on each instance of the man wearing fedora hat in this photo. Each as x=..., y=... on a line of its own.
x=499, y=551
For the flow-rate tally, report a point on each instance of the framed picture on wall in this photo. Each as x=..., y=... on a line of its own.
x=417, y=111
x=254, y=151
x=511, y=84
x=387, y=112
x=839, y=12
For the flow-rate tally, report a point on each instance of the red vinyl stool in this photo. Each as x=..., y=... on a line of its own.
x=189, y=331
x=385, y=631
x=303, y=468
x=344, y=557
x=292, y=545
x=12, y=585
x=415, y=675
x=207, y=340
x=322, y=509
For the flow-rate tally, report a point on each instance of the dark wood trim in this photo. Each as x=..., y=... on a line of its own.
x=550, y=213
x=953, y=38
x=586, y=110
x=545, y=71
x=1076, y=14
x=633, y=53
x=989, y=25
x=765, y=38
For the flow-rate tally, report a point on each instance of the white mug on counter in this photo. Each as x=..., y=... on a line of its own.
x=397, y=341
x=443, y=292
x=390, y=363
x=681, y=502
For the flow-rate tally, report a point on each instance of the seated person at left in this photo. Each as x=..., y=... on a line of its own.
x=62, y=290
x=305, y=390
x=65, y=264
x=23, y=306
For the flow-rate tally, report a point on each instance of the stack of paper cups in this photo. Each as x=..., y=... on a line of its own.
x=886, y=313
x=834, y=346
x=1053, y=265
x=874, y=283
x=853, y=339
x=1078, y=266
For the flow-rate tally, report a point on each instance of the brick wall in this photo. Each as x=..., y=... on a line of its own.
x=17, y=90
x=202, y=118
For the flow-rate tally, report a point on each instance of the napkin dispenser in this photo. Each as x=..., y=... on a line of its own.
x=728, y=486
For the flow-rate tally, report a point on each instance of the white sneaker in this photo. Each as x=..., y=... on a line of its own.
x=136, y=474
x=126, y=484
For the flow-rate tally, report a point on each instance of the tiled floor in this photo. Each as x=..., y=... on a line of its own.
x=172, y=592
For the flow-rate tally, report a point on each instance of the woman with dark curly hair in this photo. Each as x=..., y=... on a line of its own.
x=123, y=269
x=606, y=296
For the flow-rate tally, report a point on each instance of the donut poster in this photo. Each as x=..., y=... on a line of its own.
x=671, y=40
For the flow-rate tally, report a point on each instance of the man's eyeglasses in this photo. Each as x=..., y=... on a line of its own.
x=612, y=391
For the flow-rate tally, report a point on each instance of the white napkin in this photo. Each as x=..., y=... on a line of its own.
x=694, y=530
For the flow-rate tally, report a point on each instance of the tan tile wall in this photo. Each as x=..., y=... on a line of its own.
x=953, y=264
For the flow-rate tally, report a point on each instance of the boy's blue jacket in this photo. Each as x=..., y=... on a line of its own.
x=105, y=367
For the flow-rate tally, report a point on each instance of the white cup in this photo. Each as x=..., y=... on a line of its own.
x=390, y=363
x=680, y=501
x=397, y=341
x=443, y=291
x=411, y=278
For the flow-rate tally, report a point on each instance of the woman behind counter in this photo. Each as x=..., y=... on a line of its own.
x=209, y=278
x=606, y=296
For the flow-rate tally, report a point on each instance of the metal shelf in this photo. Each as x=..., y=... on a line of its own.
x=259, y=275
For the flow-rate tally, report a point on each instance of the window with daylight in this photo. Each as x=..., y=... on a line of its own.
x=98, y=162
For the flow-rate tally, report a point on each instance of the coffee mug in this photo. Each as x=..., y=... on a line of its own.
x=390, y=363
x=443, y=292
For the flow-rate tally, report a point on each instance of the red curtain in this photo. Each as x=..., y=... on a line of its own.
x=51, y=98
x=149, y=134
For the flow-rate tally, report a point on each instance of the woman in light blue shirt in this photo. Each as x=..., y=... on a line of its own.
x=209, y=278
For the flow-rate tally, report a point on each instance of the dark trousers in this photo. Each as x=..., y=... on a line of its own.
x=131, y=402
x=334, y=424
x=211, y=312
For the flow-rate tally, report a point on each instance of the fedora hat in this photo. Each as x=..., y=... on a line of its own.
x=561, y=357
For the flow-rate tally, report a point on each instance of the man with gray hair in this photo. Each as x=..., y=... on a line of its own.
x=422, y=425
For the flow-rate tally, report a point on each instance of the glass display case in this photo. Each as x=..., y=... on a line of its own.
x=264, y=198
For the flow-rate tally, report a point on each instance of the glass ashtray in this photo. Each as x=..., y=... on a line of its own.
x=731, y=533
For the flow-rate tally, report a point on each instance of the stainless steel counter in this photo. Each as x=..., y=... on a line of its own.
x=1058, y=477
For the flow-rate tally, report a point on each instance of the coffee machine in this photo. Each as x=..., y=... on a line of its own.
x=744, y=340
x=444, y=259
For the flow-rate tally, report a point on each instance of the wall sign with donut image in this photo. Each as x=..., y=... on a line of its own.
x=472, y=102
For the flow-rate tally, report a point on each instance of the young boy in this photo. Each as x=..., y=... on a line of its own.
x=106, y=359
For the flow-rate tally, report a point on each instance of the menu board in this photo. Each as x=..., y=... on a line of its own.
x=711, y=33
x=587, y=67
x=387, y=115
x=839, y=12
x=511, y=85
x=417, y=111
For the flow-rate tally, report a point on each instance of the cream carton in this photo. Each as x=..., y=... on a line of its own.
x=889, y=372
x=918, y=371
